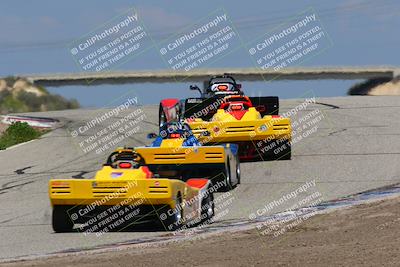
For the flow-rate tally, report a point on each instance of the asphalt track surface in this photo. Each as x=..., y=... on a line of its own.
x=355, y=148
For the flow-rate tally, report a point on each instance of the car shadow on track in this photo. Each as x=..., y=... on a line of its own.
x=140, y=227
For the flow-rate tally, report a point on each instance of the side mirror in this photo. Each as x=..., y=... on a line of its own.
x=151, y=135
x=239, y=86
x=195, y=87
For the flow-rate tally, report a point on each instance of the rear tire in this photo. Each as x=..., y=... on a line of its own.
x=174, y=221
x=227, y=176
x=207, y=207
x=61, y=221
x=286, y=153
x=238, y=169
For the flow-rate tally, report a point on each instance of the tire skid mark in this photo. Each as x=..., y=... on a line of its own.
x=328, y=105
x=338, y=131
x=7, y=186
x=22, y=170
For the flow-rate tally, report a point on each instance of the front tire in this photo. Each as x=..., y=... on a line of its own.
x=61, y=221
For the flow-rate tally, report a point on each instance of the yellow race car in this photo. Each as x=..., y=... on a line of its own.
x=238, y=121
x=125, y=192
x=176, y=148
x=224, y=114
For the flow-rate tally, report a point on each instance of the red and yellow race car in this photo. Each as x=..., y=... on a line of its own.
x=223, y=114
x=238, y=121
x=125, y=192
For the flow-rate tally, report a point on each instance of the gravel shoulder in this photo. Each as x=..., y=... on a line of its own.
x=363, y=235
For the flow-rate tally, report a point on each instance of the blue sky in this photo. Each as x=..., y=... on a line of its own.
x=35, y=37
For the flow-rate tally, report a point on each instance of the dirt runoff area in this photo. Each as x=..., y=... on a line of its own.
x=364, y=235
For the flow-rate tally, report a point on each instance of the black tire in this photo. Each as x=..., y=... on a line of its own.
x=227, y=178
x=238, y=174
x=285, y=154
x=207, y=207
x=61, y=221
x=174, y=221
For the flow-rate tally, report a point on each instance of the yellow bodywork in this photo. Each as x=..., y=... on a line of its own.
x=224, y=127
x=182, y=155
x=119, y=187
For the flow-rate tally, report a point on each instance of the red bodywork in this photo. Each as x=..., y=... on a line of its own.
x=236, y=105
x=171, y=108
x=197, y=183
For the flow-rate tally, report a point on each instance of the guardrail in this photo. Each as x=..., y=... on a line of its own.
x=200, y=75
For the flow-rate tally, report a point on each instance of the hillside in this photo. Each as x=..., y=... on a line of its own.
x=19, y=95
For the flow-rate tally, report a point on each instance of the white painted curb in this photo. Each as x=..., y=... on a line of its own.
x=32, y=121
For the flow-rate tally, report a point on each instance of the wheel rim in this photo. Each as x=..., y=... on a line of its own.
x=238, y=172
x=178, y=211
x=178, y=215
x=228, y=177
x=210, y=210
